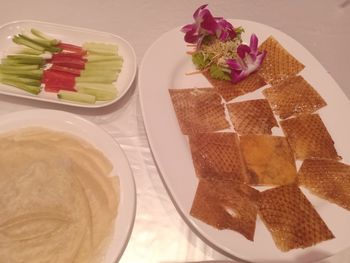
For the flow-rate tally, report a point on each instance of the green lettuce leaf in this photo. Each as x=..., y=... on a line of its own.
x=218, y=72
x=200, y=60
x=239, y=31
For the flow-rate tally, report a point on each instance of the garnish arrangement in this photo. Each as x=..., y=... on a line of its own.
x=83, y=74
x=236, y=153
x=219, y=48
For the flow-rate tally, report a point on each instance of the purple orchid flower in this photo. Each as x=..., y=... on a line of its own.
x=248, y=60
x=226, y=30
x=205, y=24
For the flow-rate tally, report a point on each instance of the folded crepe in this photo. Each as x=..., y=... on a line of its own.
x=58, y=201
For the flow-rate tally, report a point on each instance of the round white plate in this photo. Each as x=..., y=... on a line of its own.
x=67, y=122
x=162, y=69
x=72, y=35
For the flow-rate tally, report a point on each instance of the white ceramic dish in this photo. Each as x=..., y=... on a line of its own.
x=67, y=122
x=73, y=35
x=161, y=70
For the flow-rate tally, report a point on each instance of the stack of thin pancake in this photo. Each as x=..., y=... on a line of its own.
x=234, y=151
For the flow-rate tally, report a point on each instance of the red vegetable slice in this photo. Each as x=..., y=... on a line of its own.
x=69, y=62
x=70, y=47
x=73, y=71
x=78, y=55
x=55, y=81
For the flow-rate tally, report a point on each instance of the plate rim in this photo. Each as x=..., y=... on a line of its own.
x=88, y=30
x=128, y=199
x=185, y=215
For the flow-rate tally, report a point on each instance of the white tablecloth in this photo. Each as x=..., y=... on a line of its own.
x=160, y=234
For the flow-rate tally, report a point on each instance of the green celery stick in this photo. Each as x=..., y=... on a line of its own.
x=18, y=67
x=17, y=62
x=38, y=41
x=76, y=97
x=30, y=51
x=23, y=86
x=25, y=59
x=32, y=74
x=41, y=42
x=20, y=41
x=41, y=35
x=32, y=82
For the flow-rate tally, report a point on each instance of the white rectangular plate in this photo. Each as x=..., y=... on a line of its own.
x=72, y=35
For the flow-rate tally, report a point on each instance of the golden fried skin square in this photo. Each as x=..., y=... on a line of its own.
x=252, y=117
x=269, y=159
x=229, y=90
x=226, y=205
x=309, y=137
x=293, y=97
x=328, y=179
x=217, y=156
x=198, y=110
x=278, y=63
x=291, y=219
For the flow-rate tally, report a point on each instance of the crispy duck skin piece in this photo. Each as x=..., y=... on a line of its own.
x=269, y=160
x=293, y=97
x=218, y=156
x=328, y=179
x=278, y=63
x=198, y=110
x=226, y=205
x=291, y=219
x=309, y=137
x=229, y=90
x=252, y=117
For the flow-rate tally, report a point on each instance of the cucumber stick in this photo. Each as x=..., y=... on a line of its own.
x=76, y=97
x=96, y=79
x=100, y=48
x=95, y=85
x=99, y=58
x=100, y=94
x=101, y=74
x=110, y=65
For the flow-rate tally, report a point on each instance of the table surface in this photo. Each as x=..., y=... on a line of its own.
x=159, y=233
